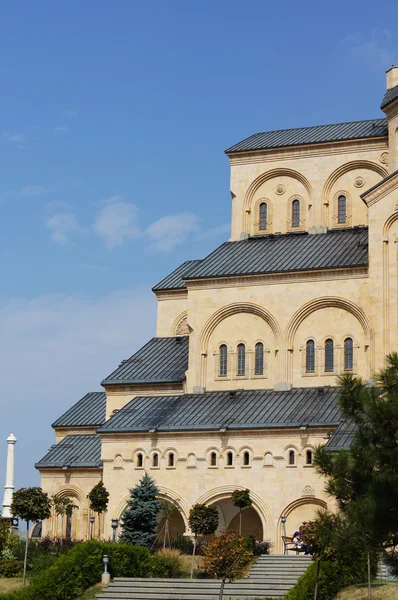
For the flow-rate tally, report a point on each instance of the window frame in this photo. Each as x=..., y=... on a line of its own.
x=309, y=453
x=258, y=360
x=261, y=206
x=223, y=361
x=155, y=460
x=340, y=211
x=291, y=458
x=171, y=463
x=139, y=460
x=229, y=458
x=295, y=214
x=329, y=366
x=213, y=455
x=241, y=360
x=348, y=354
x=310, y=358
x=246, y=454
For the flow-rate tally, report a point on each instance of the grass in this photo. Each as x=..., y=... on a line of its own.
x=380, y=591
x=90, y=593
x=9, y=584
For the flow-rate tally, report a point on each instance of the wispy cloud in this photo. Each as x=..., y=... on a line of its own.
x=116, y=222
x=70, y=113
x=62, y=226
x=376, y=48
x=215, y=231
x=28, y=191
x=171, y=231
x=61, y=129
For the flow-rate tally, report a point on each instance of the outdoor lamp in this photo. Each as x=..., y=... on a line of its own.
x=14, y=522
x=92, y=518
x=114, y=524
x=283, y=520
x=105, y=575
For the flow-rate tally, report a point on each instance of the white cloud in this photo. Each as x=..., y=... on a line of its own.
x=215, y=231
x=61, y=129
x=32, y=191
x=377, y=48
x=62, y=225
x=170, y=231
x=70, y=113
x=116, y=222
x=58, y=349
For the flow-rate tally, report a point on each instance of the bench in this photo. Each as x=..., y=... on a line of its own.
x=288, y=545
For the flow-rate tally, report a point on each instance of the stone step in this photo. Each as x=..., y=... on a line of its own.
x=137, y=595
x=216, y=585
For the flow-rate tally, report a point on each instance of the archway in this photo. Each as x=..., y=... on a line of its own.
x=298, y=512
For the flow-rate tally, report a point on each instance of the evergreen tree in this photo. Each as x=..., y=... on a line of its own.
x=139, y=519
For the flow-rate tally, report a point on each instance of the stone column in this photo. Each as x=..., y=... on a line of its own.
x=9, y=486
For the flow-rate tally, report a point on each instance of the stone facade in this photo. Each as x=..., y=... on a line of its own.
x=282, y=311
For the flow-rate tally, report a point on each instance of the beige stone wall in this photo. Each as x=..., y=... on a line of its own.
x=119, y=396
x=171, y=311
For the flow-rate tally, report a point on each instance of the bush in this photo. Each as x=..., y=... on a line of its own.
x=183, y=544
x=333, y=576
x=257, y=548
x=10, y=567
x=167, y=561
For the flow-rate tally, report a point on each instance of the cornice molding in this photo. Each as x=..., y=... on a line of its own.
x=383, y=190
x=142, y=390
x=171, y=294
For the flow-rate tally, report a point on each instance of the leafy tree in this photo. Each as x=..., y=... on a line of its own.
x=241, y=499
x=203, y=520
x=5, y=532
x=62, y=504
x=364, y=478
x=139, y=519
x=227, y=557
x=30, y=504
x=99, y=498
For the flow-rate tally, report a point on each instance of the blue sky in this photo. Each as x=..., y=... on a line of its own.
x=114, y=119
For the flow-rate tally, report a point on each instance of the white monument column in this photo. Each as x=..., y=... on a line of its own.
x=9, y=486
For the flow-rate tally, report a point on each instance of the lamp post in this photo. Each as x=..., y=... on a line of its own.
x=92, y=518
x=283, y=519
x=105, y=575
x=114, y=524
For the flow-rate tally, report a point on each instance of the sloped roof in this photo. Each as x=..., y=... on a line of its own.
x=79, y=451
x=88, y=411
x=379, y=183
x=175, y=280
x=342, y=437
x=246, y=409
x=161, y=360
x=340, y=248
x=389, y=97
x=280, y=138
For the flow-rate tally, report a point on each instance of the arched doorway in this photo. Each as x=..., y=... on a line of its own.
x=297, y=513
x=171, y=524
x=229, y=519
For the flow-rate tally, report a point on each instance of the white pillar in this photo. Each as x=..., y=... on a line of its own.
x=9, y=486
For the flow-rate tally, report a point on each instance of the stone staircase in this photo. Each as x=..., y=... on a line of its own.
x=270, y=577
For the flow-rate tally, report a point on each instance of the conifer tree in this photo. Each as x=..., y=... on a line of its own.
x=139, y=519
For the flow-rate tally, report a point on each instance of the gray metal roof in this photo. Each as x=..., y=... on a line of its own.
x=342, y=437
x=373, y=128
x=248, y=409
x=389, y=97
x=161, y=360
x=175, y=281
x=286, y=253
x=82, y=451
x=88, y=411
x=379, y=183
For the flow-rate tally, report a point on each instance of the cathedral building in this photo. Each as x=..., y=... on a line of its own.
x=239, y=385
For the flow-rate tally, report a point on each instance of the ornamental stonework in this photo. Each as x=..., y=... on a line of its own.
x=359, y=182
x=182, y=327
x=280, y=189
x=384, y=158
x=308, y=491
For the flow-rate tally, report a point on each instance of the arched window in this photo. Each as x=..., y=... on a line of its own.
x=241, y=366
x=171, y=459
x=230, y=459
x=259, y=365
x=292, y=457
x=263, y=214
x=213, y=459
x=348, y=354
x=296, y=213
x=329, y=356
x=342, y=209
x=308, y=457
x=310, y=356
x=223, y=367
x=246, y=458
x=155, y=460
x=140, y=460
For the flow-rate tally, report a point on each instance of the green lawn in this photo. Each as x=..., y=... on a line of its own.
x=9, y=584
x=380, y=591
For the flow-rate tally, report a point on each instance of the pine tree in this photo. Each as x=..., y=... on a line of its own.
x=139, y=519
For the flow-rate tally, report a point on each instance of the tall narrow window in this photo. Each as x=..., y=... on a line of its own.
x=310, y=356
x=171, y=459
x=342, y=209
x=296, y=213
x=223, y=367
x=246, y=458
x=213, y=459
x=230, y=459
x=348, y=354
x=308, y=457
x=241, y=366
x=155, y=460
x=329, y=356
x=259, y=366
x=140, y=460
x=263, y=210
x=292, y=458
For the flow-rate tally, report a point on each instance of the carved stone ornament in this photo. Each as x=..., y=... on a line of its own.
x=384, y=158
x=280, y=189
x=182, y=327
x=308, y=491
x=359, y=182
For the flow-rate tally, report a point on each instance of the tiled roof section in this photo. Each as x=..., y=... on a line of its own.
x=389, y=97
x=286, y=253
x=379, y=183
x=174, y=281
x=82, y=451
x=373, y=128
x=161, y=360
x=89, y=411
x=342, y=437
x=249, y=409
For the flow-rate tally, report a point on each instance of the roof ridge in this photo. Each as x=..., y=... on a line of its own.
x=318, y=126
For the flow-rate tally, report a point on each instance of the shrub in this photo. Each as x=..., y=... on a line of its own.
x=169, y=561
x=10, y=567
x=183, y=544
x=257, y=548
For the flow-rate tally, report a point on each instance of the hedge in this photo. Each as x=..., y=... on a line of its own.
x=81, y=567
